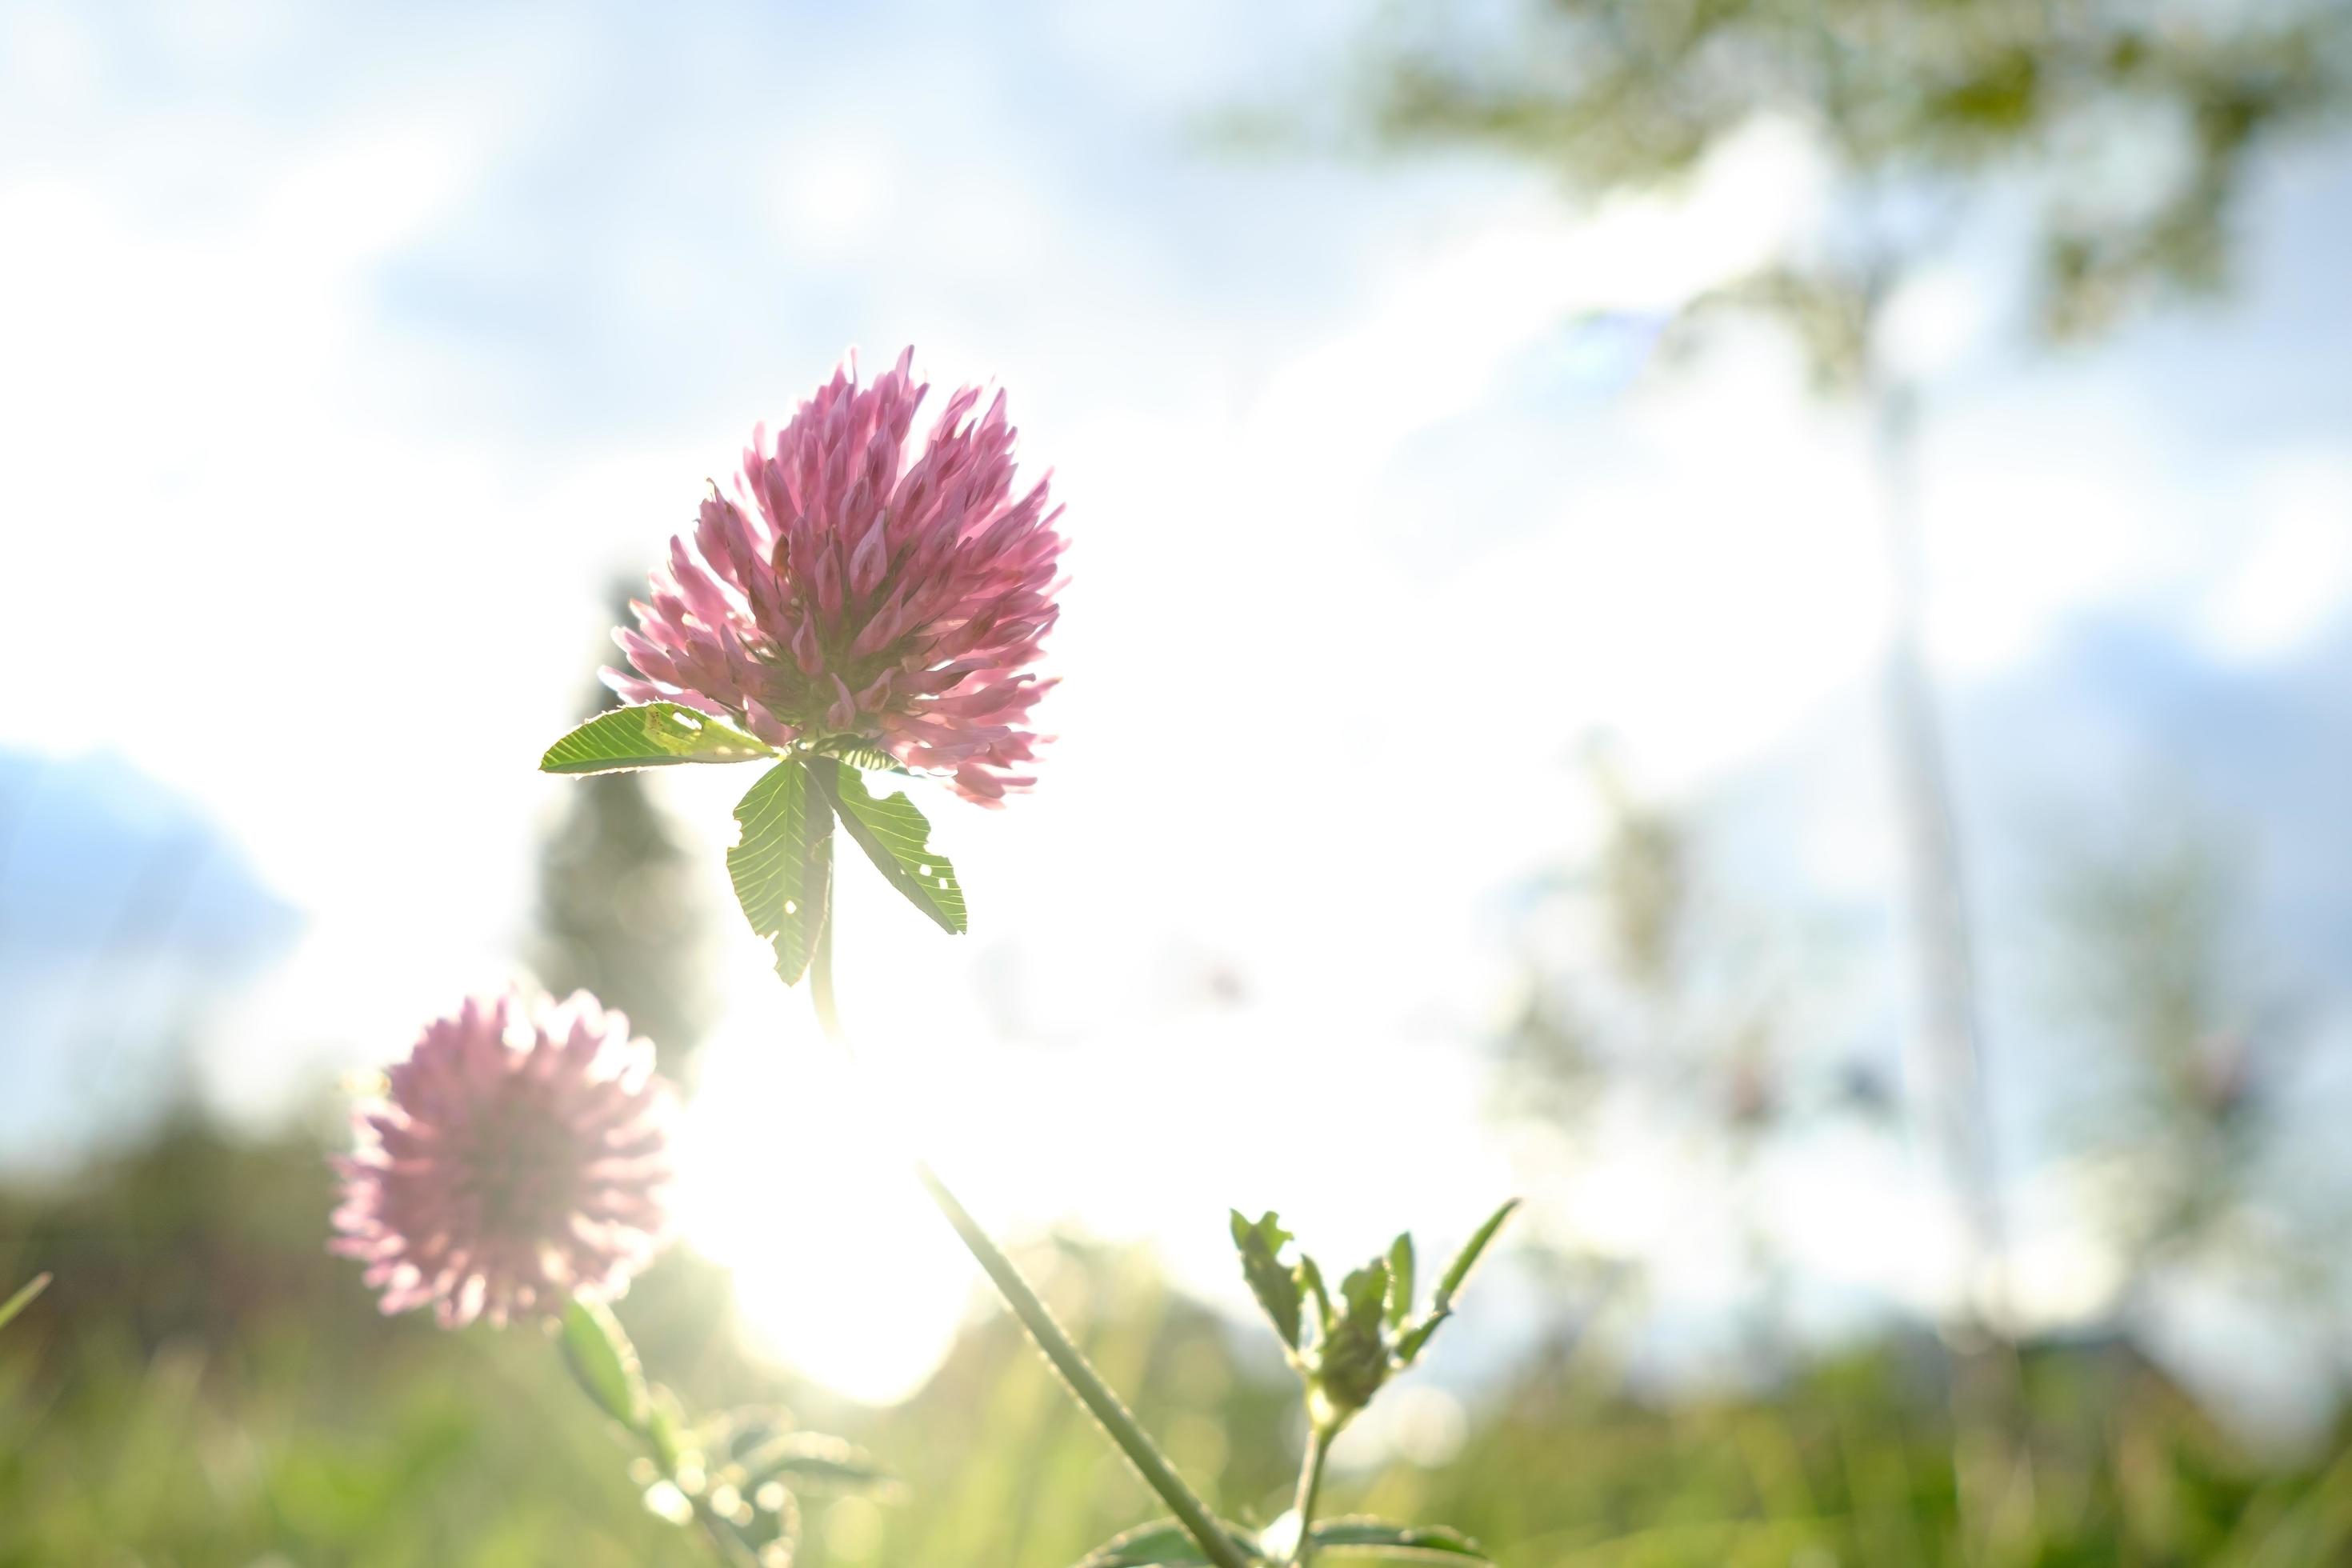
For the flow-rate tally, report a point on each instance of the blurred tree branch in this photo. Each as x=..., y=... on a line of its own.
x=2131, y=129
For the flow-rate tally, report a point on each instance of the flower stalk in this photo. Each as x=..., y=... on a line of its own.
x=1116, y=1420
x=820, y=979
x=1052, y=1340
x=1310, y=1483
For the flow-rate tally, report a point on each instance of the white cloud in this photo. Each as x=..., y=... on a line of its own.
x=2294, y=576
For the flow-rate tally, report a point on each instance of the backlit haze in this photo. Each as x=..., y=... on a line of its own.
x=346, y=362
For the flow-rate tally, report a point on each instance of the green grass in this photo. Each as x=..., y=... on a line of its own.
x=203, y=1384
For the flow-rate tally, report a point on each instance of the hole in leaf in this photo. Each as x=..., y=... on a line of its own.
x=922, y=871
x=943, y=881
x=792, y=907
x=685, y=721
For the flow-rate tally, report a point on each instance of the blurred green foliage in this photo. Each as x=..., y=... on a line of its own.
x=204, y=1385
x=2126, y=133
x=2198, y=1050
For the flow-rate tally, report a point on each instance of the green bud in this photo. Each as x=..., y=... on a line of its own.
x=1352, y=1362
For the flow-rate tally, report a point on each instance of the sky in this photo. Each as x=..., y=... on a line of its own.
x=356, y=352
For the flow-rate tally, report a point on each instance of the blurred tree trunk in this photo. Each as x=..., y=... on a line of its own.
x=625, y=911
x=1992, y=1466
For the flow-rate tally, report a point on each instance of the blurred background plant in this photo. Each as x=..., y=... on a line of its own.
x=1651, y=1006
x=626, y=912
x=2181, y=1113
x=220, y=1400
x=2112, y=146
x=1379, y=412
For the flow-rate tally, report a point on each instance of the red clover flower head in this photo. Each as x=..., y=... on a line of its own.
x=519, y=1158
x=859, y=585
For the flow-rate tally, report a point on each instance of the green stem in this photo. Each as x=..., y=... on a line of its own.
x=820, y=973
x=1310, y=1483
x=635, y=1414
x=1113, y=1418
x=1116, y=1421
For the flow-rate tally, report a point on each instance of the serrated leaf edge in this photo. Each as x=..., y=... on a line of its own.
x=701, y=725
x=939, y=895
x=756, y=848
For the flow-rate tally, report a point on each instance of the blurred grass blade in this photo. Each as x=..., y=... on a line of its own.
x=600, y=1355
x=23, y=1297
x=1377, y=1538
x=782, y=864
x=1162, y=1544
x=650, y=735
x=897, y=838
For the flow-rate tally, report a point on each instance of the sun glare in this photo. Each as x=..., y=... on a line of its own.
x=841, y=1270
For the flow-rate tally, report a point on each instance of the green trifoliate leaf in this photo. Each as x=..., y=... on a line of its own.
x=1400, y=1268
x=1353, y=1360
x=23, y=1297
x=897, y=838
x=812, y=1459
x=782, y=864
x=1440, y=1307
x=650, y=735
x=1378, y=1538
x=605, y=1362
x=1275, y=1286
x=1164, y=1544
x=858, y=753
